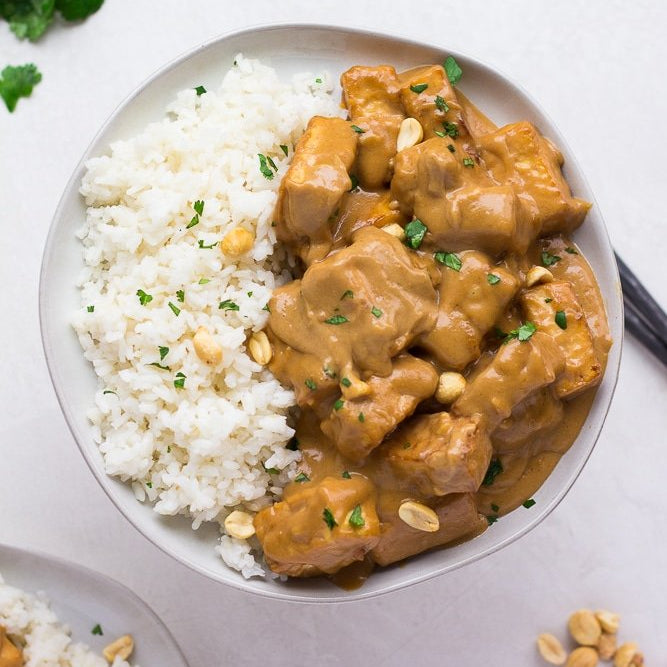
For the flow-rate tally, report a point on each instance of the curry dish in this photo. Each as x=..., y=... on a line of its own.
x=445, y=337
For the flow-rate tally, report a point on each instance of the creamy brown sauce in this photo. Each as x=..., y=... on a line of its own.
x=367, y=330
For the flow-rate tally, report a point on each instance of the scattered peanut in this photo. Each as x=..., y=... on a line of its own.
x=450, y=387
x=607, y=646
x=628, y=655
x=608, y=621
x=237, y=242
x=551, y=649
x=395, y=230
x=538, y=274
x=240, y=524
x=418, y=516
x=206, y=347
x=584, y=627
x=584, y=656
x=260, y=348
x=409, y=134
x=121, y=648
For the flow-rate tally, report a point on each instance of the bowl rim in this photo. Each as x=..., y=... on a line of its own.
x=611, y=370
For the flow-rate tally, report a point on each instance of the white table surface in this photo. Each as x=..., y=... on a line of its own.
x=597, y=66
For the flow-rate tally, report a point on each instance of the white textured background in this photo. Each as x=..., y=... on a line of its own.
x=598, y=68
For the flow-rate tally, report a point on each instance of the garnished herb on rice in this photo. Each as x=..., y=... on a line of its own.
x=284, y=149
x=200, y=90
x=97, y=630
x=202, y=245
x=174, y=308
x=180, y=295
x=109, y=391
x=227, y=304
x=160, y=366
x=144, y=297
x=179, y=382
x=264, y=167
x=204, y=281
x=90, y=309
x=164, y=351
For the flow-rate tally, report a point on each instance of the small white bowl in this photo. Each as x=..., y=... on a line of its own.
x=290, y=49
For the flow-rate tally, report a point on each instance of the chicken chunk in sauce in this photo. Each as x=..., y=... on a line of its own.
x=423, y=270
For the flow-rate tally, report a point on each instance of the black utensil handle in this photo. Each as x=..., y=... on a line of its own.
x=637, y=326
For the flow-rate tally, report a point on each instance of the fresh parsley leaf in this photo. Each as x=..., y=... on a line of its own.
x=356, y=519
x=144, y=298
x=264, y=167
x=179, y=382
x=174, y=308
x=267, y=308
x=302, y=477
x=347, y=294
x=227, y=304
x=523, y=333
x=198, y=206
x=272, y=164
x=440, y=134
x=357, y=129
x=454, y=72
x=90, y=309
x=415, y=231
x=494, y=469
x=97, y=630
x=193, y=222
x=17, y=82
x=491, y=520
x=28, y=19
x=441, y=104
x=284, y=149
x=329, y=518
x=361, y=417
x=468, y=162
x=528, y=503
x=180, y=295
x=318, y=80
x=346, y=382
x=346, y=475
x=310, y=383
x=338, y=404
x=77, y=10
x=548, y=300
x=200, y=90
x=450, y=259
x=336, y=319
x=571, y=251
x=164, y=351
x=204, y=281
x=451, y=129
x=419, y=87
x=548, y=259
x=149, y=485
x=561, y=319
x=202, y=245
x=109, y=391
x=160, y=366
x=492, y=278
x=376, y=312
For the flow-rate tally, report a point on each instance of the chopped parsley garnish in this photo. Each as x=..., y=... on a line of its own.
x=561, y=319
x=441, y=104
x=495, y=507
x=198, y=206
x=491, y=519
x=376, y=312
x=272, y=164
x=227, y=304
x=249, y=293
x=97, y=630
x=440, y=134
x=336, y=319
x=346, y=475
x=548, y=300
x=528, y=503
x=179, y=382
x=419, y=87
x=415, y=231
x=355, y=183
x=271, y=471
x=548, y=259
x=523, y=333
x=454, y=72
x=174, y=308
x=164, y=351
x=109, y=391
x=468, y=162
x=492, y=278
x=451, y=129
x=329, y=372
x=361, y=417
x=302, y=477
x=451, y=148
x=494, y=469
x=284, y=149
x=338, y=404
x=318, y=80
x=357, y=129
x=347, y=294
x=204, y=281
x=149, y=485
x=450, y=259
x=180, y=295
x=264, y=167
x=310, y=383
x=90, y=309
x=144, y=298
x=571, y=251
x=202, y=245
x=356, y=519
x=200, y=90
x=346, y=382
x=329, y=518
x=193, y=222
x=266, y=308
x=293, y=444
x=160, y=366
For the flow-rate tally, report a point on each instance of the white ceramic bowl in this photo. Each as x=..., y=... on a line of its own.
x=294, y=48
x=82, y=598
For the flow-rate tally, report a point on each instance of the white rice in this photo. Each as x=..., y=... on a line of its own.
x=34, y=627
x=199, y=450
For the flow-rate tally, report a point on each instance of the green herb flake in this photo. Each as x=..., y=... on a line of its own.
x=328, y=518
x=302, y=477
x=451, y=148
x=494, y=469
x=97, y=630
x=528, y=503
x=419, y=87
x=450, y=259
x=355, y=183
x=415, y=231
x=346, y=475
x=523, y=333
x=451, y=129
x=180, y=295
x=376, y=312
x=454, y=72
x=227, y=304
x=441, y=104
x=174, y=308
x=202, y=245
x=440, y=134
x=356, y=519
x=346, y=382
x=361, y=417
x=284, y=149
x=204, y=281
x=271, y=471
x=338, y=404
x=468, y=162
x=347, y=294
x=249, y=293
x=160, y=366
x=272, y=164
x=179, y=382
x=548, y=259
x=492, y=278
x=149, y=485
x=144, y=298
x=548, y=300
x=90, y=309
x=266, y=308
x=200, y=90
x=561, y=319
x=495, y=507
x=318, y=80
x=198, y=206
x=491, y=519
x=329, y=372
x=310, y=383
x=292, y=444
x=193, y=222
x=571, y=251
x=336, y=319
x=357, y=129
x=164, y=351
x=264, y=167
x=109, y=391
